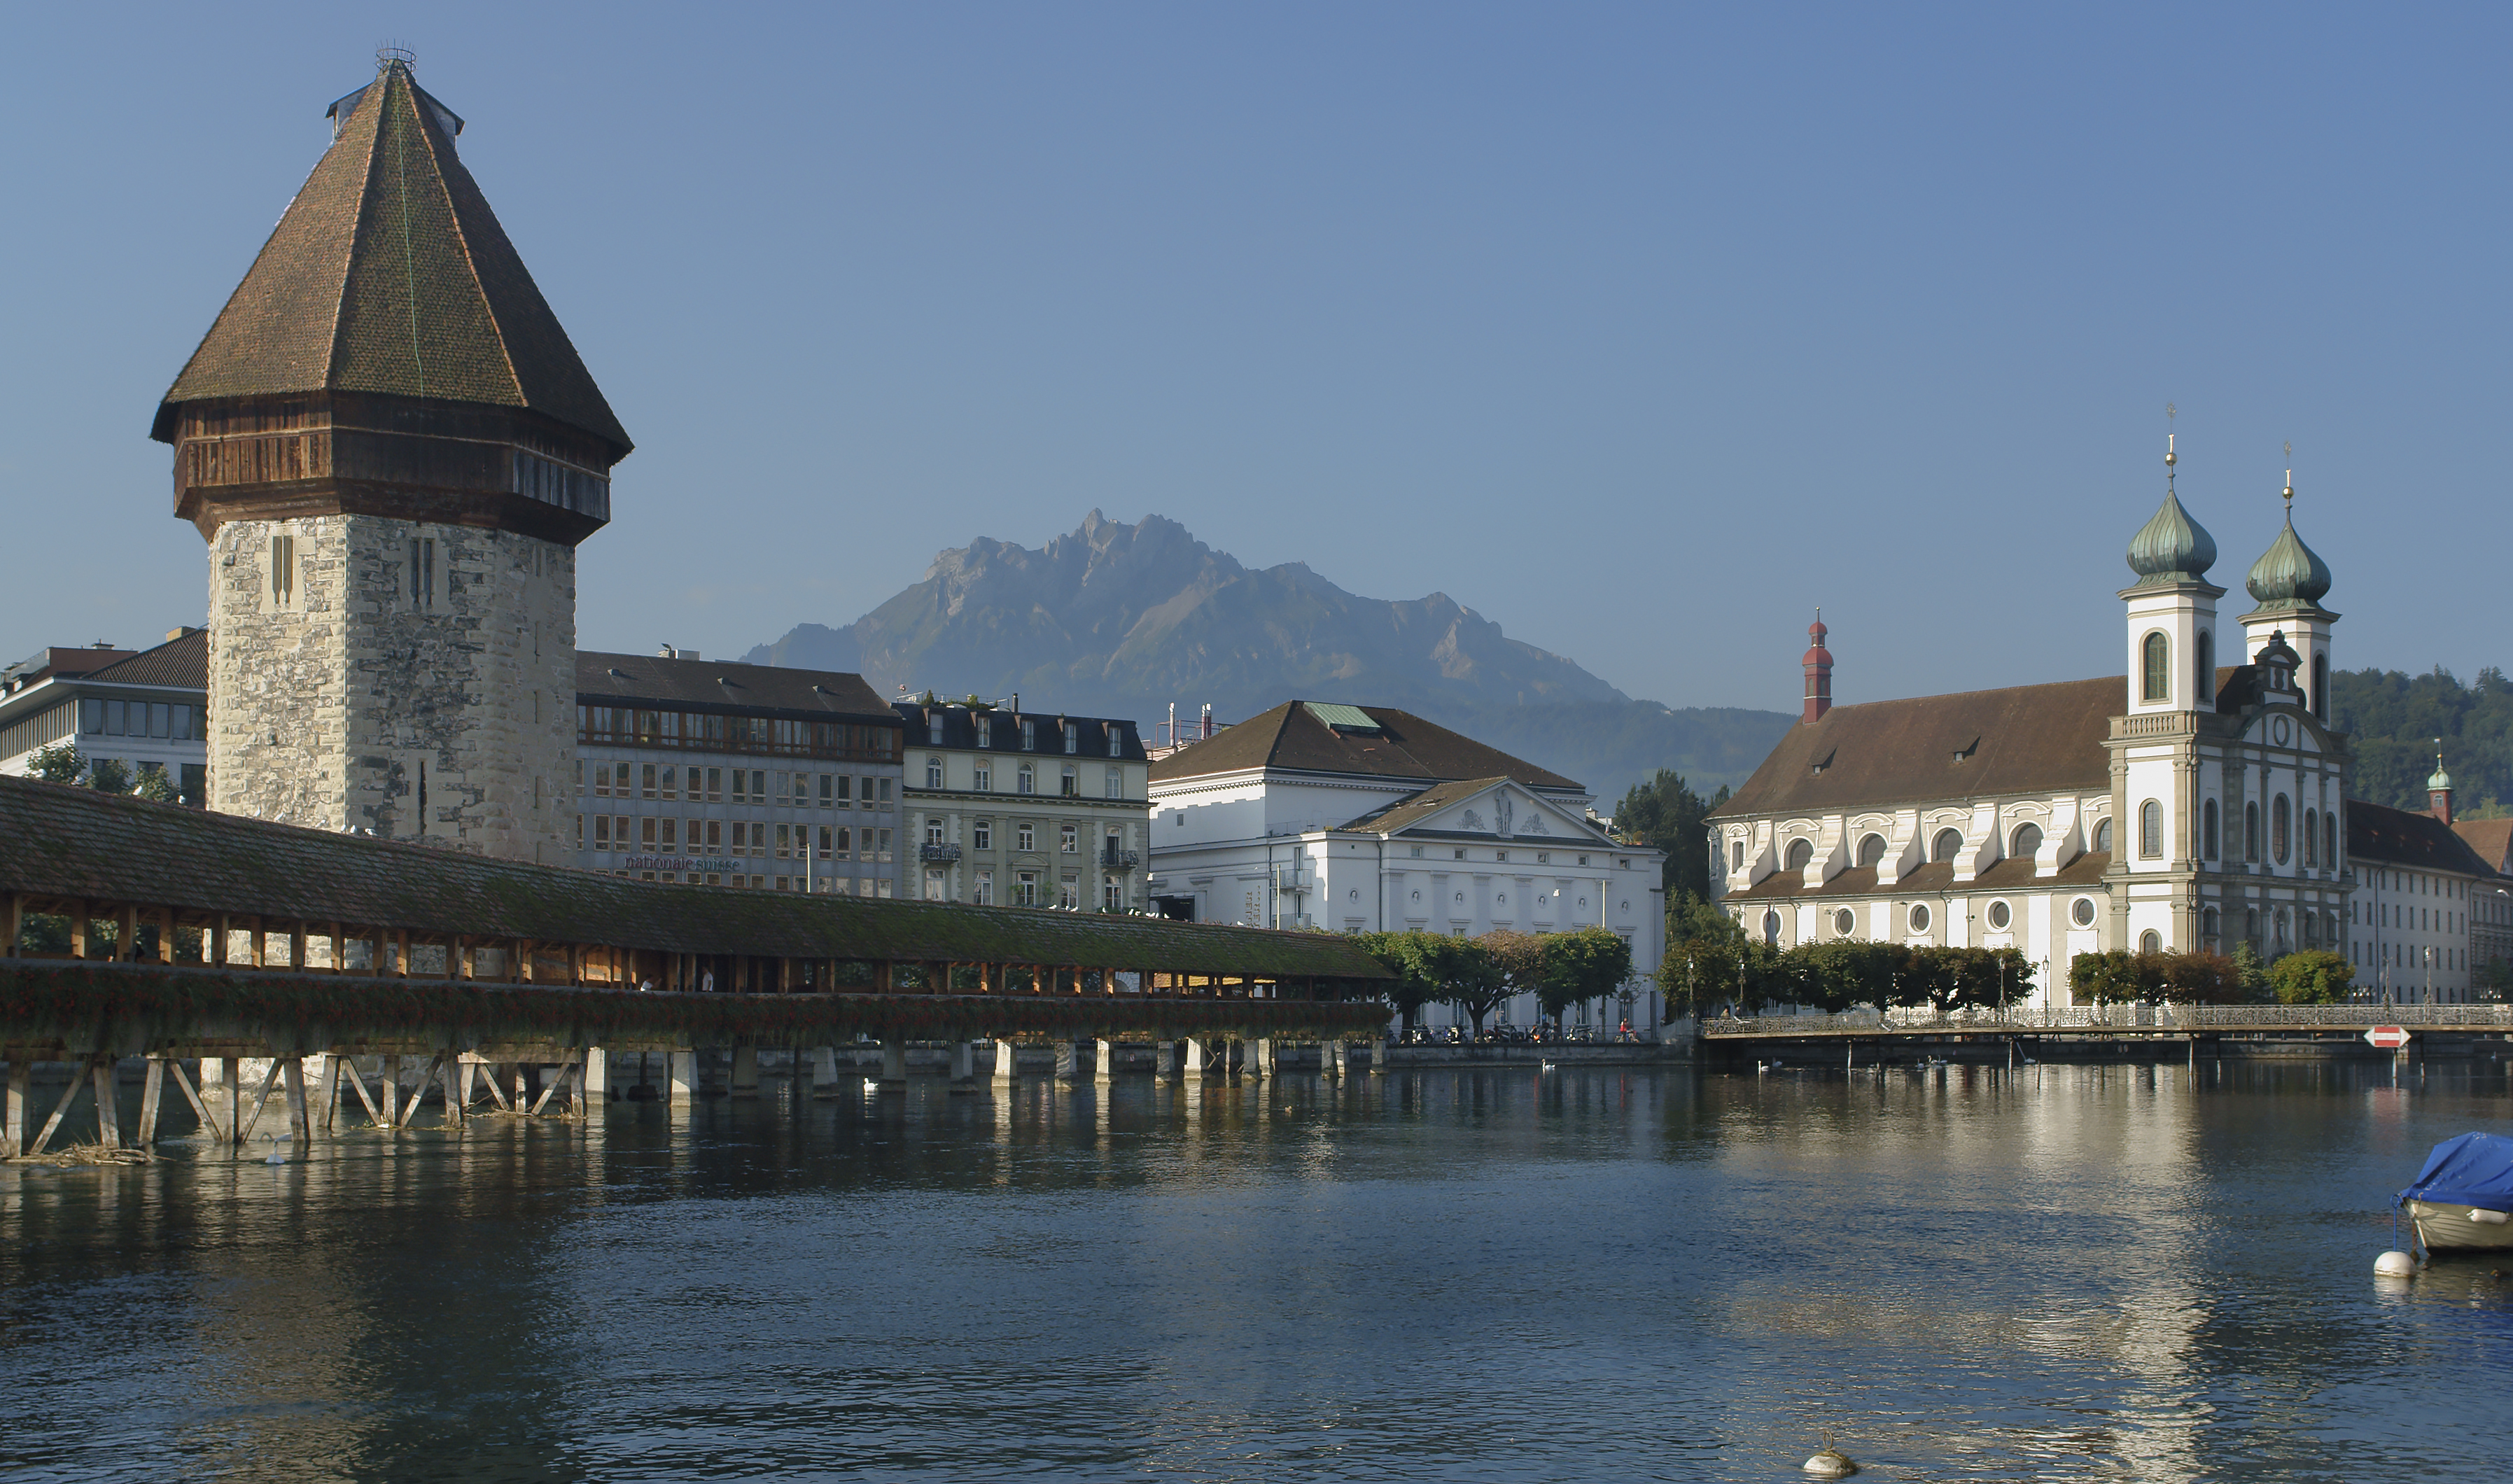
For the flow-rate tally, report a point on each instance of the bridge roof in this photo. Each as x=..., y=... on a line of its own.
x=58, y=841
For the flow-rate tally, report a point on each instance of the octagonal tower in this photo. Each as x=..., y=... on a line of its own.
x=394, y=452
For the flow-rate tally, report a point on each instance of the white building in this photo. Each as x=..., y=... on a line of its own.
x=142, y=709
x=2183, y=807
x=1364, y=820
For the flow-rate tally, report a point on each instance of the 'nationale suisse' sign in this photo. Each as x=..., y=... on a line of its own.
x=2388, y=1037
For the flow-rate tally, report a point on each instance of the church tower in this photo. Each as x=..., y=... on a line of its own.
x=2171, y=609
x=394, y=452
x=2289, y=582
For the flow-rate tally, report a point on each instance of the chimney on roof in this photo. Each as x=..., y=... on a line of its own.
x=1818, y=670
x=1203, y=728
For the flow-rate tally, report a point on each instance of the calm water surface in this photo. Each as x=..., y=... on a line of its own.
x=1476, y=1275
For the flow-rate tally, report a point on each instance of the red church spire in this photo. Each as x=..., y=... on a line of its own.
x=1818, y=670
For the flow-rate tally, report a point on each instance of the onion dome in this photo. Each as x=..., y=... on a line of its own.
x=2438, y=781
x=2172, y=547
x=2289, y=575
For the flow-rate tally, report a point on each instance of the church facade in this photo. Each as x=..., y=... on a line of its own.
x=2185, y=806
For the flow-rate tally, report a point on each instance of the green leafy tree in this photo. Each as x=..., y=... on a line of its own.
x=2202, y=979
x=1474, y=980
x=2311, y=976
x=156, y=784
x=59, y=763
x=1666, y=815
x=1418, y=962
x=2251, y=977
x=1588, y=964
x=109, y=775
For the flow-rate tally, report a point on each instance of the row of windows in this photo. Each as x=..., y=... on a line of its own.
x=843, y=885
x=982, y=835
x=984, y=724
x=1112, y=783
x=1945, y=846
x=666, y=835
x=1499, y=857
x=2409, y=916
x=739, y=785
x=172, y=720
x=2155, y=655
x=1918, y=918
x=2318, y=840
x=1025, y=888
x=710, y=731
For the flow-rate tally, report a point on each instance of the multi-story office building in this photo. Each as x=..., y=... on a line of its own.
x=1016, y=809
x=143, y=708
x=736, y=774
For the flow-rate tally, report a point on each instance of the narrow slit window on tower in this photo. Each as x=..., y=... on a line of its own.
x=283, y=571
x=2204, y=674
x=423, y=574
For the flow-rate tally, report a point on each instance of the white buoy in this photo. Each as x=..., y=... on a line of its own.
x=1831, y=1464
x=2395, y=1264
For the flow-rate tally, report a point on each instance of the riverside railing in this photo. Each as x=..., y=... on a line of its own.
x=2123, y=1018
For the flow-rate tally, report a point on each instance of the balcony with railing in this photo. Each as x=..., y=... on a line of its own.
x=1115, y=859
x=934, y=852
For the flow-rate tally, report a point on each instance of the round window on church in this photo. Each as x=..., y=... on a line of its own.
x=1843, y=920
x=1919, y=917
x=1998, y=916
x=2082, y=913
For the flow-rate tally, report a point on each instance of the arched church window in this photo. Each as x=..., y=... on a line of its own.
x=2159, y=668
x=2211, y=923
x=2208, y=831
x=2150, y=942
x=2311, y=837
x=2204, y=673
x=2028, y=842
x=1947, y=846
x=1801, y=851
x=1772, y=929
x=2150, y=830
x=2279, y=827
x=2329, y=839
x=2250, y=833
x=1871, y=850
x=2104, y=836
x=1737, y=855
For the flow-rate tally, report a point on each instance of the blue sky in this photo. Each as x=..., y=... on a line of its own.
x=1641, y=330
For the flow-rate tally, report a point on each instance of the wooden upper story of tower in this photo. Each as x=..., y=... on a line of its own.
x=389, y=354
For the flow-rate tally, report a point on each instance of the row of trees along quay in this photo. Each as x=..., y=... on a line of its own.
x=133, y=919
x=1476, y=975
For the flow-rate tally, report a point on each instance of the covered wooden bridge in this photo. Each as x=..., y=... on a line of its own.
x=139, y=928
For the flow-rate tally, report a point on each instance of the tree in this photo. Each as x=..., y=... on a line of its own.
x=1666, y=815
x=2251, y=977
x=2311, y=976
x=59, y=763
x=1588, y=964
x=1415, y=959
x=1474, y=982
x=109, y=775
x=2202, y=979
x=158, y=784
x=1520, y=958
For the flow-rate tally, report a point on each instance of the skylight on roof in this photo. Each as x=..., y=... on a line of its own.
x=1341, y=717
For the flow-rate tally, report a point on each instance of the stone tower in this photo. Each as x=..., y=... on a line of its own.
x=394, y=452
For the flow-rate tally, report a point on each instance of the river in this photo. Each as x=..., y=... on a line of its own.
x=1957, y=1273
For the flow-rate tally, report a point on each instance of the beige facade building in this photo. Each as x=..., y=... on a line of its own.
x=1010, y=808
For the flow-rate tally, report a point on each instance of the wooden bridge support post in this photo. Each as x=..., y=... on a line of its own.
x=152, y=1093
x=327, y=1081
x=1068, y=1064
x=231, y=1068
x=1331, y=1058
x=13, y=1124
x=824, y=1072
x=300, y=1126
x=1165, y=1061
x=1256, y=1059
x=16, y=929
x=1199, y=1063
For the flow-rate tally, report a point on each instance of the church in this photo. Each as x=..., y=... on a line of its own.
x=2185, y=806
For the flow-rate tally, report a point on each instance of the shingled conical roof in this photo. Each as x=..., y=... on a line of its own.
x=390, y=274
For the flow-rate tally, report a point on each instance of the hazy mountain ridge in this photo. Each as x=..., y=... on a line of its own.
x=1117, y=620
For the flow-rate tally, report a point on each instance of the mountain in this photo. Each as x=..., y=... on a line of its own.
x=1121, y=621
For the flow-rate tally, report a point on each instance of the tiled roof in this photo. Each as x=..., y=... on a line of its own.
x=1935, y=879
x=1292, y=737
x=2027, y=738
x=2490, y=839
x=2408, y=841
x=58, y=841
x=389, y=273
x=182, y=663
x=959, y=731
x=714, y=685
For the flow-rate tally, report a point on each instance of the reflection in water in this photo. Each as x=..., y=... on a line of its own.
x=2122, y=1271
